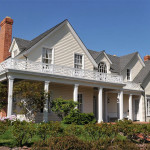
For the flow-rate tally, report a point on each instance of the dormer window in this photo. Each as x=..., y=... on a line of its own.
x=47, y=55
x=102, y=67
x=128, y=74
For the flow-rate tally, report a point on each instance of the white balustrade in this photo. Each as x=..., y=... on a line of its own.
x=18, y=64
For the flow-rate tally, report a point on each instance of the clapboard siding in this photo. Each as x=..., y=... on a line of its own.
x=65, y=45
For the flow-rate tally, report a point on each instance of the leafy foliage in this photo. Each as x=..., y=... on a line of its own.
x=45, y=130
x=23, y=132
x=62, y=143
x=31, y=96
x=62, y=107
x=79, y=118
x=3, y=96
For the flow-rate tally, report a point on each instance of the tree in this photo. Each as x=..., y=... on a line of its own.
x=62, y=107
x=3, y=96
x=31, y=97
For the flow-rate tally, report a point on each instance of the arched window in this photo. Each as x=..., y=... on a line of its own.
x=102, y=67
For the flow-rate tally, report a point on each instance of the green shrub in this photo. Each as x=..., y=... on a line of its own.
x=62, y=143
x=73, y=130
x=62, y=107
x=91, y=131
x=23, y=132
x=45, y=130
x=3, y=126
x=79, y=118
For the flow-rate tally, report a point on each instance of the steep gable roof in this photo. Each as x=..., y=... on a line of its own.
x=22, y=44
x=40, y=37
x=125, y=60
x=142, y=75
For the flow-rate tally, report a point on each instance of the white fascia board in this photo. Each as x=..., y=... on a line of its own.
x=107, y=58
x=81, y=44
x=30, y=49
x=12, y=45
x=141, y=60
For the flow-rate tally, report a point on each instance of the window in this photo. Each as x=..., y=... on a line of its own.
x=102, y=67
x=78, y=61
x=128, y=74
x=148, y=106
x=47, y=55
x=80, y=101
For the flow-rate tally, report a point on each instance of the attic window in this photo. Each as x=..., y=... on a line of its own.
x=47, y=55
x=102, y=67
x=128, y=74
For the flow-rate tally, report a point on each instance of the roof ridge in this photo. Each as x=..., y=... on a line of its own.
x=129, y=54
x=20, y=39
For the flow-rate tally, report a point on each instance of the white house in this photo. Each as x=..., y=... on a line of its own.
x=110, y=86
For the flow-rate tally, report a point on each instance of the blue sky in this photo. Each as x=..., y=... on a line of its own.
x=117, y=26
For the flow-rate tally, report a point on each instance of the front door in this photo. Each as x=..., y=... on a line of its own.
x=136, y=109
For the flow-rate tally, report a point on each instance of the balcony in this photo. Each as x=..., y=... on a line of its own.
x=58, y=70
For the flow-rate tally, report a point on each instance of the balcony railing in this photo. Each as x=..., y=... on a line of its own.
x=59, y=70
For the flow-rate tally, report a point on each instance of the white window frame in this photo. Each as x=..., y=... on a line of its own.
x=81, y=105
x=52, y=59
x=106, y=70
x=127, y=74
x=82, y=59
x=148, y=106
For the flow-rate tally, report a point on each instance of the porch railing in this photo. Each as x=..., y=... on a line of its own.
x=23, y=65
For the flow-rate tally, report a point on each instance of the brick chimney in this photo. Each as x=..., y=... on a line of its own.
x=5, y=38
x=147, y=57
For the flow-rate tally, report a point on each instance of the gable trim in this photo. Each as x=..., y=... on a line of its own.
x=103, y=52
x=12, y=45
x=81, y=44
x=137, y=54
x=30, y=49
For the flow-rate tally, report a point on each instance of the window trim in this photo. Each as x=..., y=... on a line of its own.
x=147, y=108
x=82, y=59
x=51, y=48
x=81, y=104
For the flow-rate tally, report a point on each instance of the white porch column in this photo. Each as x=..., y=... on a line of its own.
x=100, y=104
x=10, y=96
x=130, y=107
x=121, y=104
x=45, y=111
x=75, y=93
x=142, y=108
x=106, y=111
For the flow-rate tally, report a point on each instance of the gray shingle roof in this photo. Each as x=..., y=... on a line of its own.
x=22, y=44
x=143, y=73
x=25, y=45
x=124, y=60
x=118, y=63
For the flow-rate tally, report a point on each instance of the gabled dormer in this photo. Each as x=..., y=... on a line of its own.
x=130, y=66
x=17, y=46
